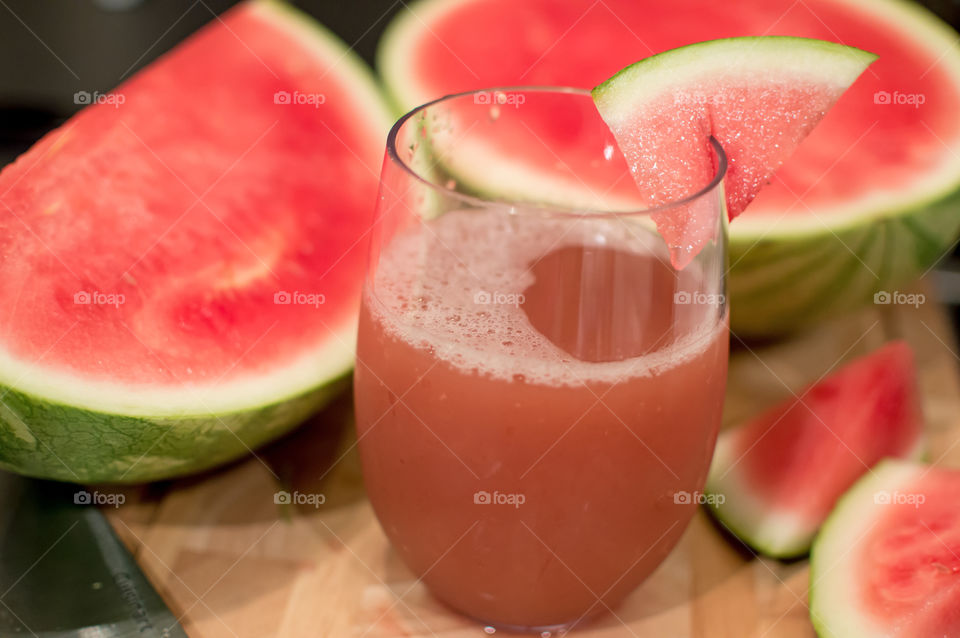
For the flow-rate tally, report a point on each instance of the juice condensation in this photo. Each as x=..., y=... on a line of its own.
x=537, y=405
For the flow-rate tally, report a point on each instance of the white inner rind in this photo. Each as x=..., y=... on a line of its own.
x=802, y=60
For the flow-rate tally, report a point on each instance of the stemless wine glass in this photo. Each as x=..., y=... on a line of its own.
x=538, y=390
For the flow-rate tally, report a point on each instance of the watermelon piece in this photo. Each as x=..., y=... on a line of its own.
x=887, y=561
x=181, y=271
x=759, y=97
x=868, y=201
x=781, y=474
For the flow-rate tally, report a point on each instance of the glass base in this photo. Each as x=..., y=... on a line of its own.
x=544, y=631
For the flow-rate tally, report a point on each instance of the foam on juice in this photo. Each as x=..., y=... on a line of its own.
x=455, y=286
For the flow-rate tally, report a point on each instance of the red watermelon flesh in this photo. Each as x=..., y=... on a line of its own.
x=913, y=554
x=782, y=473
x=863, y=146
x=887, y=563
x=195, y=202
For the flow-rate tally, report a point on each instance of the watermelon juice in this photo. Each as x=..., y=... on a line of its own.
x=537, y=404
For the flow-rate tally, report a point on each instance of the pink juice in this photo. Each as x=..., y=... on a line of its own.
x=535, y=411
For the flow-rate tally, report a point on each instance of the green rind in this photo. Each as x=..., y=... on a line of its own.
x=45, y=437
x=739, y=511
x=767, y=299
x=51, y=440
x=645, y=79
x=738, y=521
x=851, y=512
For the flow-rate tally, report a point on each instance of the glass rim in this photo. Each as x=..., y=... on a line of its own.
x=580, y=211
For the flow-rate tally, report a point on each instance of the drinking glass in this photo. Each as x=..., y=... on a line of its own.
x=538, y=389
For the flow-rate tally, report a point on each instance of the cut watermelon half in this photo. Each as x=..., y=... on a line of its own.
x=867, y=202
x=887, y=563
x=781, y=474
x=759, y=97
x=182, y=267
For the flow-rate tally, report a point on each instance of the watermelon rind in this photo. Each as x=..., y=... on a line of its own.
x=786, y=56
x=61, y=426
x=773, y=535
x=834, y=608
x=845, y=253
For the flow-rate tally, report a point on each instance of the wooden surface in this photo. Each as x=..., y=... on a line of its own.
x=230, y=562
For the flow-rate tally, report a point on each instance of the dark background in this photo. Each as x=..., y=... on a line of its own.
x=50, y=49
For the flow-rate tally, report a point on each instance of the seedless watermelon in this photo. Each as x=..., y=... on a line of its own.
x=181, y=272
x=887, y=562
x=869, y=200
x=759, y=97
x=781, y=473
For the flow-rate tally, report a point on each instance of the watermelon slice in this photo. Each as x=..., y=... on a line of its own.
x=759, y=97
x=867, y=202
x=181, y=268
x=887, y=563
x=781, y=474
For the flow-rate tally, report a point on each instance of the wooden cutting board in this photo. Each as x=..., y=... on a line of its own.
x=230, y=562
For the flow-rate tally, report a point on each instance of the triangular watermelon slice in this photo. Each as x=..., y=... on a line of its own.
x=781, y=474
x=758, y=96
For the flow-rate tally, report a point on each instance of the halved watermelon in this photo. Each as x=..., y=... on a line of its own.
x=781, y=474
x=758, y=96
x=887, y=562
x=870, y=199
x=181, y=268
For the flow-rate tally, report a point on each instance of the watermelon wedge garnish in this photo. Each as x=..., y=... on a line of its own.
x=887, y=562
x=758, y=96
x=181, y=272
x=781, y=473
